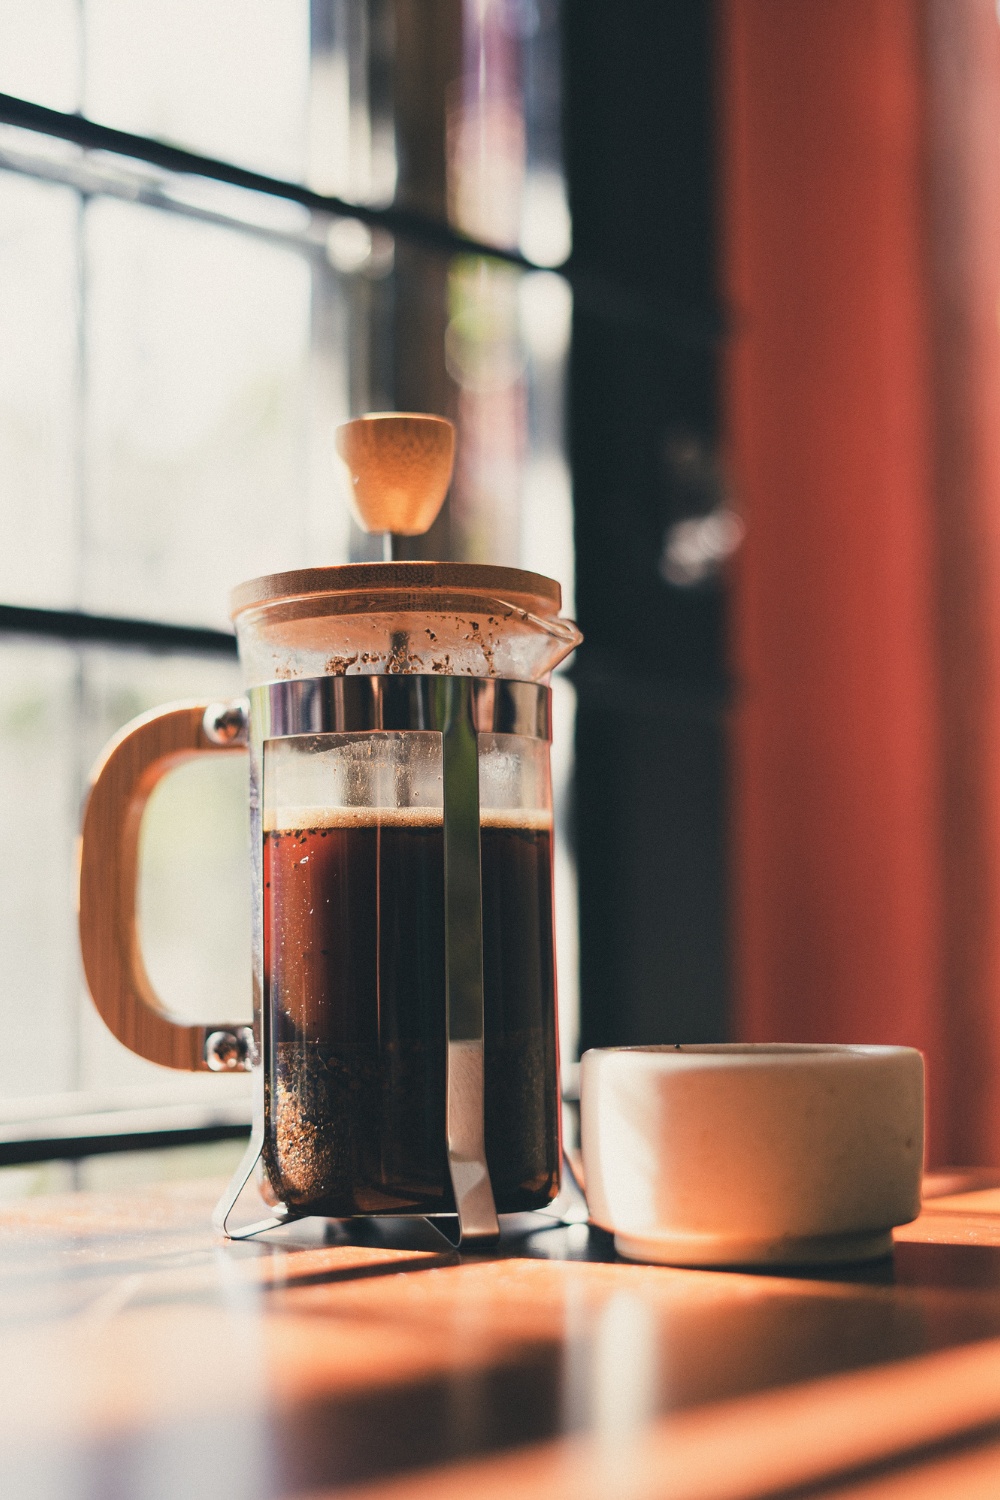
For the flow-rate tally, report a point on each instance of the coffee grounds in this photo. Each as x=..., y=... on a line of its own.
x=347, y=1134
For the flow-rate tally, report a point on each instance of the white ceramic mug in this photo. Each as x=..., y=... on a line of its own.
x=740, y=1154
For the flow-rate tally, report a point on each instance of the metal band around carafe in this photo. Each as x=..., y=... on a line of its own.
x=458, y=708
x=351, y=705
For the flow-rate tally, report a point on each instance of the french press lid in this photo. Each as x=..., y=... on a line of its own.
x=445, y=618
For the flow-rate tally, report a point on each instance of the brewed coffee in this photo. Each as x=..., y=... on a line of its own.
x=354, y=965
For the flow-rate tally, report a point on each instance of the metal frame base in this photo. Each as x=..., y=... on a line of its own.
x=573, y=1210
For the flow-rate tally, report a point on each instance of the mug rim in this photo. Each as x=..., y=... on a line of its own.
x=748, y=1054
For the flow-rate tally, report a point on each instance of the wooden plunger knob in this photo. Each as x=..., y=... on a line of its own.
x=400, y=466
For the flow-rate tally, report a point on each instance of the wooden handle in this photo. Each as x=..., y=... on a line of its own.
x=120, y=786
x=400, y=467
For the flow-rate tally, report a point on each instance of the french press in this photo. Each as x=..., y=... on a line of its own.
x=404, y=1044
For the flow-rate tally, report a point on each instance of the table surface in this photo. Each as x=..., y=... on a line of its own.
x=144, y=1356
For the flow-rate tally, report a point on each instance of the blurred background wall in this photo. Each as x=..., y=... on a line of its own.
x=860, y=232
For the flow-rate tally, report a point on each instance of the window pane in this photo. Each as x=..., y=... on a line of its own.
x=38, y=387
x=228, y=79
x=197, y=409
x=58, y=707
x=40, y=56
x=167, y=415
x=38, y=801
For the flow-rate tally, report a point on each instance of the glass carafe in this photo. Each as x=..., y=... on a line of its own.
x=404, y=1039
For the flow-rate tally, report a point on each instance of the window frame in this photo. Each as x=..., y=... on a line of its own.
x=74, y=1137
x=619, y=300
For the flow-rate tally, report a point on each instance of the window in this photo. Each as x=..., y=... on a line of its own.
x=178, y=349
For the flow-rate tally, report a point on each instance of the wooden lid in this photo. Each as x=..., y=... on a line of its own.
x=374, y=588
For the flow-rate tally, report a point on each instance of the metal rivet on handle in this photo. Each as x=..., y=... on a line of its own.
x=227, y=723
x=230, y=1051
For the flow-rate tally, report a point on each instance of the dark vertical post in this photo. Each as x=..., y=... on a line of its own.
x=650, y=824
x=427, y=63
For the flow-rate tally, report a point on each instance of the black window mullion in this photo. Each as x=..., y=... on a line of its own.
x=78, y=627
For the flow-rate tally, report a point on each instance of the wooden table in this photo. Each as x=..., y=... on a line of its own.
x=142, y=1356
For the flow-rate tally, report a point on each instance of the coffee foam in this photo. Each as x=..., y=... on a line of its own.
x=304, y=818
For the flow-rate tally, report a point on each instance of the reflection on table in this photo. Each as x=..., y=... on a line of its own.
x=145, y=1356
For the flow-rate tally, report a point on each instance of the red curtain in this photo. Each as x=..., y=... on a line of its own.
x=860, y=144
